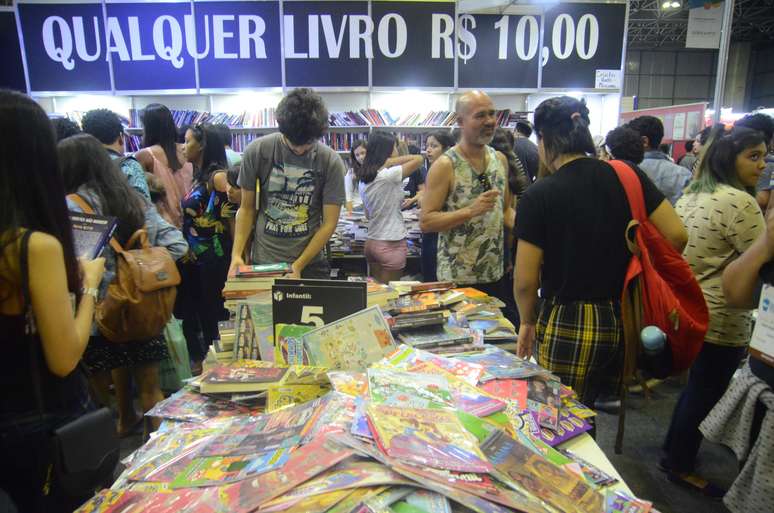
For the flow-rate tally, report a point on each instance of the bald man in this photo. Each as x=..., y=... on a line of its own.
x=467, y=201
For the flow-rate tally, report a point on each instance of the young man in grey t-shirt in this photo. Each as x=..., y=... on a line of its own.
x=300, y=187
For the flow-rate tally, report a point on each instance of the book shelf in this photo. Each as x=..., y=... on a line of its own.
x=345, y=127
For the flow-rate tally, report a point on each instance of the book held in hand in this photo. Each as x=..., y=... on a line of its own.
x=91, y=233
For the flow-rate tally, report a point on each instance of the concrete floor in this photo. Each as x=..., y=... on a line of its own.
x=646, y=425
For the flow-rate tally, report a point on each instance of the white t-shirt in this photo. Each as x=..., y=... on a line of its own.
x=382, y=199
x=351, y=190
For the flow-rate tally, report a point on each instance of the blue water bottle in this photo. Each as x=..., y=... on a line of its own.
x=656, y=358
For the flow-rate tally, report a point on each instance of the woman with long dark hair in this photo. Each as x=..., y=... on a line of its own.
x=381, y=187
x=723, y=220
x=357, y=155
x=93, y=178
x=436, y=144
x=570, y=230
x=163, y=157
x=41, y=337
x=206, y=211
x=503, y=142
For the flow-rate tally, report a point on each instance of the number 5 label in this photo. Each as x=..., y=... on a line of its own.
x=310, y=315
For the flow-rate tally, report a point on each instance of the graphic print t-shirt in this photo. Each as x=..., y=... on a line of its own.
x=293, y=190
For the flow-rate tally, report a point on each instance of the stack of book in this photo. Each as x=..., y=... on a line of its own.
x=250, y=280
x=412, y=432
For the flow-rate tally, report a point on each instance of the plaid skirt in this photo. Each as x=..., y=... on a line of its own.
x=582, y=343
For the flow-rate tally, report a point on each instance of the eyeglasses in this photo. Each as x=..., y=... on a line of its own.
x=484, y=182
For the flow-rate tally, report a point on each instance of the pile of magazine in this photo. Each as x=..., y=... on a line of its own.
x=394, y=429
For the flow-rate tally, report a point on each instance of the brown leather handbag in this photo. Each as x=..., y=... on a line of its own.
x=140, y=299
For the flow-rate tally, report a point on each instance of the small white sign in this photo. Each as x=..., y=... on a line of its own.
x=678, y=127
x=763, y=334
x=608, y=79
x=704, y=25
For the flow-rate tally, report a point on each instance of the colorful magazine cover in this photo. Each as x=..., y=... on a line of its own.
x=398, y=388
x=428, y=501
x=620, y=502
x=360, y=421
x=289, y=347
x=261, y=315
x=305, y=462
x=514, y=390
x=543, y=398
x=427, y=437
x=335, y=416
x=241, y=444
x=466, y=397
x=315, y=504
x=516, y=463
x=346, y=475
x=569, y=426
x=218, y=470
x=306, y=375
x=406, y=356
x=351, y=343
x=349, y=382
x=188, y=406
x=282, y=396
x=244, y=371
x=592, y=473
x=500, y=364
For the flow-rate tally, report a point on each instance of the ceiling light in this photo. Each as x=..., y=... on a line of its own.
x=666, y=5
x=675, y=5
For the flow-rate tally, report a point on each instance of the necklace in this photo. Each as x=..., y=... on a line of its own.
x=471, y=163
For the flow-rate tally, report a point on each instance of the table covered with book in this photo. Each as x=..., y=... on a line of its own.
x=400, y=407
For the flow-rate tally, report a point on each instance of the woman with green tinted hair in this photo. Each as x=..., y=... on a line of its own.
x=723, y=219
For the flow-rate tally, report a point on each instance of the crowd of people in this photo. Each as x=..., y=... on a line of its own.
x=540, y=226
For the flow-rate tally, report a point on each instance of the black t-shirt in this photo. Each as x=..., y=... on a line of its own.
x=528, y=155
x=578, y=217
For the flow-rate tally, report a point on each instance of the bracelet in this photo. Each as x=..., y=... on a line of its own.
x=90, y=291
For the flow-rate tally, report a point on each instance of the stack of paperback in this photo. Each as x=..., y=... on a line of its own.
x=440, y=318
x=250, y=280
x=413, y=432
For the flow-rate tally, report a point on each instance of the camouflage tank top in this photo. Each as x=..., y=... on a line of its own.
x=473, y=251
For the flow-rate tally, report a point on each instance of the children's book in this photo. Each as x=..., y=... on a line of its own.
x=414, y=303
x=592, y=473
x=188, y=406
x=282, y=396
x=349, y=382
x=218, y=470
x=544, y=400
x=351, y=343
x=304, y=463
x=436, y=336
x=514, y=390
x=434, y=438
x=289, y=347
x=517, y=464
x=620, y=502
x=406, y=356
x=251, y=443
x=500, y=364
x=393, y=387
x=347, y=474
x=254, y=337
x=569, y=426
x=466, y=397
x=260, y=270
x=241, y=376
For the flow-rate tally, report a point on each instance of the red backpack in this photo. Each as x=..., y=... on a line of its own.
x=659, y=288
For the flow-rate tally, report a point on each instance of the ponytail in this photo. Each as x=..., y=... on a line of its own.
x=562, y=123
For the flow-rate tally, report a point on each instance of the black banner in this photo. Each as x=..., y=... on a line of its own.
x=413, y=44
x=579, y=40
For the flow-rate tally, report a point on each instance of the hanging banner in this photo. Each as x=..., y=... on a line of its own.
x=185, y=46
x=65, y=46
x=498, y=51
x=238, y=44
x=150, y=45
x=579, y=40
x=704, y=25
x=412, y=44
x=326, y=43
x=11, y=67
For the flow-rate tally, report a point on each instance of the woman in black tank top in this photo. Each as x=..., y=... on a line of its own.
x=41, y=338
